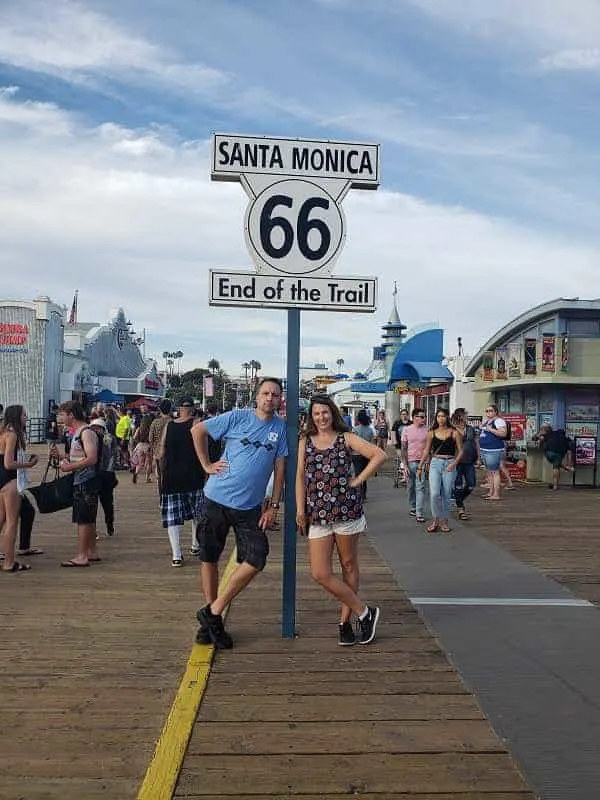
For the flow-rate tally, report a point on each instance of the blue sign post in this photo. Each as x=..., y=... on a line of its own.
x=288, y=600
x=295, y=231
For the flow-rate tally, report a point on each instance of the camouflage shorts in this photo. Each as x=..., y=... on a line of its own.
x=85, y=502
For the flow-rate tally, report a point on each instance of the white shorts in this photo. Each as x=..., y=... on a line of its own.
x=339, y=528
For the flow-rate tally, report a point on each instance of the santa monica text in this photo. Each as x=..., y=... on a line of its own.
x=235, y=155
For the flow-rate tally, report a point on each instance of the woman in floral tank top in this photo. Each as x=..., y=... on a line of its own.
x=330, y=510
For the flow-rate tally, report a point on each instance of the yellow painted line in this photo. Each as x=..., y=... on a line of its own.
x=161, y=776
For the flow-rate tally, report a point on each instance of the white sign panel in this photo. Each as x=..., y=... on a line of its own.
x=250, y=289
x=256, y=155
x=294, y=227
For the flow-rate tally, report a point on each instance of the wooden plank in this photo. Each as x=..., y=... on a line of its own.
x=298, y=774
x=350, y=658
x=280, y=738
x=52, y=788
x=477, y=795
x=363, y=707
x=248, y=646
x=341, y=683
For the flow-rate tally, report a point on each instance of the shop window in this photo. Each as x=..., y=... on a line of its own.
x=530, y=404
x=515, y=402
x=583, y=327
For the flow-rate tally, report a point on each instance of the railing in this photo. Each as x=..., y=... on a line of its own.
x=36, y=430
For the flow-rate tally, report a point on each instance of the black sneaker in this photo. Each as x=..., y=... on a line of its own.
x=203, y=636
x=213, y=623
x=368, y=625
x=347, y=636
x=413, y=512
x=110, y=531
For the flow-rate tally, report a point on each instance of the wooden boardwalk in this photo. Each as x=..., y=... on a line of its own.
x=92, y=660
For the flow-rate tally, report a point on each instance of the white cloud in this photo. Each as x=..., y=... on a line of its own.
x=66, y=39
x=542, y=22
x=130, y=217
x=587, y=60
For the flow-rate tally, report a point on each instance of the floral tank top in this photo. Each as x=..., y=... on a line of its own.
x=327, y=475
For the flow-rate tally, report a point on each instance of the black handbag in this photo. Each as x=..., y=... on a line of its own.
x=55, y=494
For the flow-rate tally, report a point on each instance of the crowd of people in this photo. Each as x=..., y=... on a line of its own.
x=223, y=472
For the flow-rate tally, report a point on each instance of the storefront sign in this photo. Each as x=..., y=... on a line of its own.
x=573, y=429
x=564, y=353
x=516, y=449
x=530, y=356
x=501, y=364
x=14, y=337
x=585, y=451
x=149, y=383
x=548, y=354
x=514, y=360
x=488, y=366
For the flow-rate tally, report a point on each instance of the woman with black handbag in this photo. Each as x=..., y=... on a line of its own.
x=13, y=444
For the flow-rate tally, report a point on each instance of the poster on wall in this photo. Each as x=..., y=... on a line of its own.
x=547, y=403
x=548, y=354
x=514, y=361
x=488, y=365
x=530, y=356
x=501, y=364
x=516, y=448
x=582, y=406
x=564, y=353
x=585, y=451
x=546, y=419
x=573, y=429
x=531, y=430
x=530, y=405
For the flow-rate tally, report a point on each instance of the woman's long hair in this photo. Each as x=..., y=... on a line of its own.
x=337, y=423
x=363, y=418
x=12, y=422
x=436, y=424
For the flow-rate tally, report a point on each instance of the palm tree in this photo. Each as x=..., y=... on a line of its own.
x=213, y=366
x=255, y=367
x=246, y=367
x=165, y=356
x=340, y=362
x=178, y=355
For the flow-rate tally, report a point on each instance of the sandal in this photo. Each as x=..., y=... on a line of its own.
x=18, y=566
x=420, y=519
x=32, y=551
x=445, y=529
x=432, y=527
x=72, y=563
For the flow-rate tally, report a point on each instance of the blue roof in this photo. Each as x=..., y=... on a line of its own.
x=426, y=371
x=420, y=359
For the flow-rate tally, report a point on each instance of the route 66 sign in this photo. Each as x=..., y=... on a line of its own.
x=294, y=224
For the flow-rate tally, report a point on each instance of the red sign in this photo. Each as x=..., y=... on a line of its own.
x=516, y=447
x=13, y=335
x=149, y=383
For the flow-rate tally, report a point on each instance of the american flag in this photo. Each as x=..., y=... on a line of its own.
x=73, y=314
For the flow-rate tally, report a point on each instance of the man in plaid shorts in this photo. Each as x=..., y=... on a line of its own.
x=181, y=479
x=255, y=446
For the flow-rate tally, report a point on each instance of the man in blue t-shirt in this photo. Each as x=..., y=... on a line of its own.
x=255, y=446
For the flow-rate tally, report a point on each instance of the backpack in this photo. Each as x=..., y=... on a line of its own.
x=469, y=445
x=508, y=436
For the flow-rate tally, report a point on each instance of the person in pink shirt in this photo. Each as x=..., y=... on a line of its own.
x=413, y=442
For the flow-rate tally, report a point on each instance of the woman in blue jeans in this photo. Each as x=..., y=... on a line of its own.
x=443, y=450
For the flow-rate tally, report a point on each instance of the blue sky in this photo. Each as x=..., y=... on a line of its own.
x=486, y=111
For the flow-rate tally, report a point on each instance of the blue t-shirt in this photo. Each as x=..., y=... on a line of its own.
x=251, y=447
x=488, y=440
